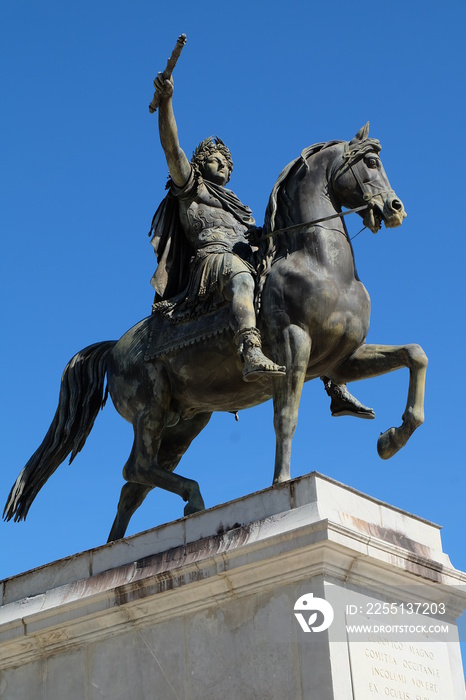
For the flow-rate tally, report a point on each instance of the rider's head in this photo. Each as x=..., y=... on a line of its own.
x=212, y=160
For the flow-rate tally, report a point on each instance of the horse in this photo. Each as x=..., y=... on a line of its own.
x=313, y=316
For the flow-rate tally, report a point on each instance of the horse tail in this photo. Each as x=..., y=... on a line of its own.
x=81, y=397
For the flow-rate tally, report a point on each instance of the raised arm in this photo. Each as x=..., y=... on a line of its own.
x=178, y=165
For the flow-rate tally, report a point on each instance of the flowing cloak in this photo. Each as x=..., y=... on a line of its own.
x=172, y=248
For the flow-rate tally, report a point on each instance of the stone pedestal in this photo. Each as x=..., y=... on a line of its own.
x=309, y=590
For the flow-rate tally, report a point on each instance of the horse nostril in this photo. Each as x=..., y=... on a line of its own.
x=397, y=205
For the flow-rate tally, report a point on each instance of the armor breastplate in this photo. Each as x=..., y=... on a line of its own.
x=205, y=222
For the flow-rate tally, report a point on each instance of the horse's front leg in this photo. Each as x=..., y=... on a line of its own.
x=374, y=360
x=294, y=353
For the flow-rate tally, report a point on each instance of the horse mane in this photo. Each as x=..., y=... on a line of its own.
x=278, y=191
x=278, y=215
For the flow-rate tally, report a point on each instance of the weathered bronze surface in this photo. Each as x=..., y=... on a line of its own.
x=241, y=315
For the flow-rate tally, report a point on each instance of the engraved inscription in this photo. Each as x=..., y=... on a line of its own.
x=383, y=668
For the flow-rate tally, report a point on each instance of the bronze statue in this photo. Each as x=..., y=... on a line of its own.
x=308, y=309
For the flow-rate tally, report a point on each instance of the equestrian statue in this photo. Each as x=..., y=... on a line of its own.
x=242, y=314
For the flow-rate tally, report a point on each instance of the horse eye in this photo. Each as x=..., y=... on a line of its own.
x=371, y=163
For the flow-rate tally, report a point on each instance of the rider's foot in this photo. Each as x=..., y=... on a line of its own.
x=345, y=404
x=256, y=364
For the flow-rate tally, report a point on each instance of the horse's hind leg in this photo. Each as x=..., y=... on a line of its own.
x=148, y=468
x=131, y=497
x=175, y=442
x=373, y=360
x=134, y=492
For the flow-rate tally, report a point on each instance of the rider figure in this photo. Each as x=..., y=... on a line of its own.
x=213, y=261
x=215, y=224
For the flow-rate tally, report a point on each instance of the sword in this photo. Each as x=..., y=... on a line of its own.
x=171, y=63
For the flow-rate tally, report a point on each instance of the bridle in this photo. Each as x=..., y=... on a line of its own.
x=351, y=157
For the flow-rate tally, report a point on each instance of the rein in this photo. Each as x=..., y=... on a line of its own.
x=314, y=221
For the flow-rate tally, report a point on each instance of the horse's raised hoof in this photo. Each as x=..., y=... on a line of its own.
x=387, y=444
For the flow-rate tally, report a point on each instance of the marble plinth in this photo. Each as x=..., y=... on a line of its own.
x=205, y=607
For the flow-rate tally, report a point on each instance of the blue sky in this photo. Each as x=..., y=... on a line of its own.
x=83, y=172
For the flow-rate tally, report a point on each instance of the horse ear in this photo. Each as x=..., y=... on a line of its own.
x=362, y=135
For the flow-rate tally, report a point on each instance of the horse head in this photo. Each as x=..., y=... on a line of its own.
x=359, y=174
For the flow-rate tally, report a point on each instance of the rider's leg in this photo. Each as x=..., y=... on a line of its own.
x=240, y=291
